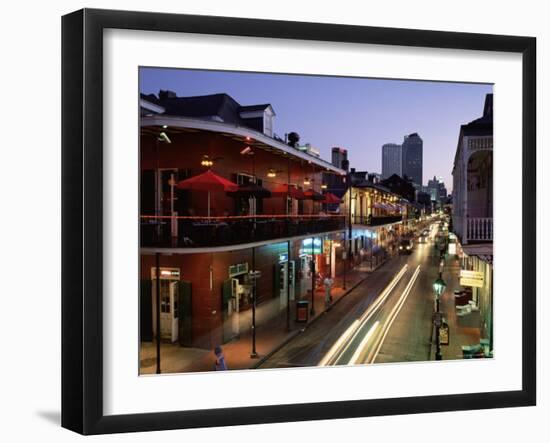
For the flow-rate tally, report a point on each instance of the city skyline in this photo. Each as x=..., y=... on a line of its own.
x=358, y=114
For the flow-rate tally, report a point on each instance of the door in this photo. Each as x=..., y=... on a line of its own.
x=230, y=308
x=145, y=311
x=292, y=278
x=168, y=310
x=282, y=283
x=185, y=306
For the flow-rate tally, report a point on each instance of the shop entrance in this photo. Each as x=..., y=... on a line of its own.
x=169, y=314
x=236, y=296
x=285, y=277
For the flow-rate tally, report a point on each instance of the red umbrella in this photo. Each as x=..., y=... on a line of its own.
x=208, y=181
x=283, y=190
x=331, y=199
x=313, y=195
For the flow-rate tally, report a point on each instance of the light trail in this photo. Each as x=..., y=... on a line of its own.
x=374, y=307
x=395, y=311
x=328, y=356
x=363, y=344
x=343, y=344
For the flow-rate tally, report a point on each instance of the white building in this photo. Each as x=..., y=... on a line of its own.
x=473, y=220
x=473, y=179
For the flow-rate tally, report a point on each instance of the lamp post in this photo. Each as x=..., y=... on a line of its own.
x=439, y=286
x=253, y=276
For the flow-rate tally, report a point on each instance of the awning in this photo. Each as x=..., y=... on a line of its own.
x=283, y=190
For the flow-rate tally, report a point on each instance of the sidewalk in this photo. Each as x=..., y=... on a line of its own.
x=459, y=335
x=271, y=333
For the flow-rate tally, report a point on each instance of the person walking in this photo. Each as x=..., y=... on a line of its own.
x=328, y=282
x=220, y=364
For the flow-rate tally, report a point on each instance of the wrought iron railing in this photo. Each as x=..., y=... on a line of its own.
x=479, y=229
x=376, y=220
x=189, y=232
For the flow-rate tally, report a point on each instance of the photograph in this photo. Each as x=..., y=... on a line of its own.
x=294, y=221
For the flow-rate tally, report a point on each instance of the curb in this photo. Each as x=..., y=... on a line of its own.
x=313, y=320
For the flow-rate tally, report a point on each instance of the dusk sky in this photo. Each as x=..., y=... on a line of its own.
x=359, y=114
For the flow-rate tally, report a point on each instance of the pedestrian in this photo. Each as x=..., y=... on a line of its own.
x=220, y=364
x=328, y=282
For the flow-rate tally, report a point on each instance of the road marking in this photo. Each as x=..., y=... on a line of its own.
x=395, y=311
x=336, y=351
x=364, y=342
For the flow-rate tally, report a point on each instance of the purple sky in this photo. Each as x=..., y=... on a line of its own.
x=359, y=114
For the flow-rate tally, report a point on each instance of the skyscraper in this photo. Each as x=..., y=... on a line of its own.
x=391, y=160
x=412, y=158
x=339, y=155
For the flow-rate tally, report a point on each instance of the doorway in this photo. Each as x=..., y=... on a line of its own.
x=169, y=312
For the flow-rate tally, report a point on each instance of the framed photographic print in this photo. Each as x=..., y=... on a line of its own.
x=269, y=221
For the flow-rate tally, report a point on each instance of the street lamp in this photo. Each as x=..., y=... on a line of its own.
x=439, y=286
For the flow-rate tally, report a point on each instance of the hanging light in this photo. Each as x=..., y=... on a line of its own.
x=272, y=173
x=324, y=186
x=207, y=162
x=307, y=181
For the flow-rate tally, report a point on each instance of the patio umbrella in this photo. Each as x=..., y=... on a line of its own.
x=208, y=181
x=282, y=190
x=313, y=195
x=251, y=190
x=331, y=199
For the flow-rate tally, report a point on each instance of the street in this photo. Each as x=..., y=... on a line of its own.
x=387, y=318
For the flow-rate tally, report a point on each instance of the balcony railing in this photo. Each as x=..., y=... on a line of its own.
x=479, y=229
x=192, y=232
x=376, y=220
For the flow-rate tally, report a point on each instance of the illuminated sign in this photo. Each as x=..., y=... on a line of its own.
x=166, y=273
x=312, y=246
x=471, y=278
x=283, y=257
x=478, y=275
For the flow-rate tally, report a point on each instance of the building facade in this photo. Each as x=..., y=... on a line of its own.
x=230, y=218
x=412, y=158
x=391, y=160
x=472, y=216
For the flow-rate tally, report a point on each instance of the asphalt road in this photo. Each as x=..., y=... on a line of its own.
x=387, y=318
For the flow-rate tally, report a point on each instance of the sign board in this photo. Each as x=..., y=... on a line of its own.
x=238, y=269
x=471, y=274
x=477, y=283
x=452, y=249
x=255, y=274
x=444, y=334
x=312, y=246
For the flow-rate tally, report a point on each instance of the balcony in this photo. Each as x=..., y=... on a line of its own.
x=479, y=229
x=377, y=220
x=204, y=232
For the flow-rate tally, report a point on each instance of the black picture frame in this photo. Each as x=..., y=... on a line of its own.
x=82, y=190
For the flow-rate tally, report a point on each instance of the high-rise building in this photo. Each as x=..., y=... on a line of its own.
x=339, y=158
x=391, y=160
x=411, y=162
x=436, y=188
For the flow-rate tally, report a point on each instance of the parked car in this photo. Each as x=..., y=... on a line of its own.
x=406, y=246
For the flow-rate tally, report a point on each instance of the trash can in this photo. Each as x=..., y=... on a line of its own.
x=302, y=311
